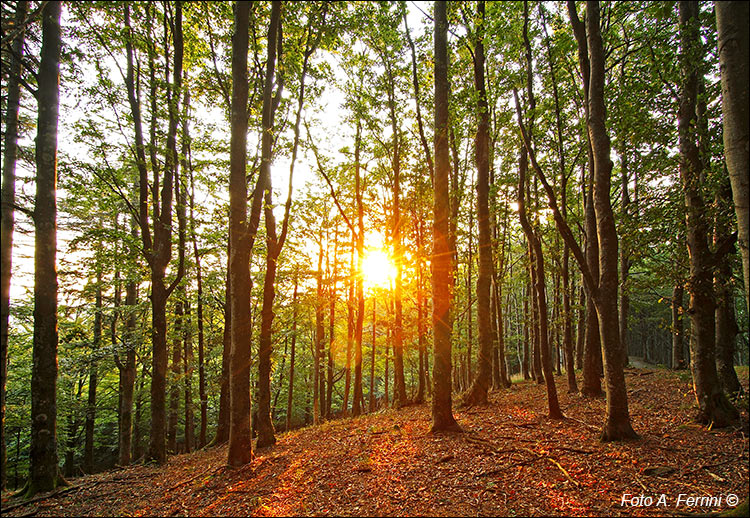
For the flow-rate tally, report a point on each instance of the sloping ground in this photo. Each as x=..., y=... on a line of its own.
x=512, y=460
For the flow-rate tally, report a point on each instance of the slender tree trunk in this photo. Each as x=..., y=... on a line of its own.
x=10, y=152
x=618, y=425
x=536, y=351
x=240, y=247
x=319, y=337
x=526, y=325
x=399, y=383
x=372, y=357
x=128, y=370
x=502, y=377
x=678, y=352
x=187, y=361
x=726, y=330
x=331, y=326
x=420, y=313
x=567, y=290
x=358, y=399
x=88, y=448
x=72, y=424
x=734, y=55
x=44, y=473
x=222, y=427
x=274, y=242
x=539, y=286
x=178, y=344
x=349, y=330
x=726, y=321
x=174, y=384
x=290, y=392
x=624, y=260
x=442, y=414
x=477, y=394
x=592, y=345
x=469, y=299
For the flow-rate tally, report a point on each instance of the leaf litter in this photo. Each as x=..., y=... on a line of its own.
x=510, y=460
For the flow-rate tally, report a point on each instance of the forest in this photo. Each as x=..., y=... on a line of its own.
x=375, y=258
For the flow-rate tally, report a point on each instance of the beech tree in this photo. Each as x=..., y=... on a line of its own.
x=714, y=408
x=7, y=207
x=734, y=54
x=442, y=413
x=44, y=472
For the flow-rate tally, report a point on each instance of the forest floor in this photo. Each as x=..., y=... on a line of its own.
x=511, y=460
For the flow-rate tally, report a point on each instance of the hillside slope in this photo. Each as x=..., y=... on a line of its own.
x=511, y=460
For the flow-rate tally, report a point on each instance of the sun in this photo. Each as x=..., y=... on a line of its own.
x=377, y=269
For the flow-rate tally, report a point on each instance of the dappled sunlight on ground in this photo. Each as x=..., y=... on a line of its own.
x=511, y=460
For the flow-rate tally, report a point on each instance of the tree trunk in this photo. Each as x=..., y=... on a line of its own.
x=88, y=448
x=44, y=473
x=222, y=427
x=349, y=329
x=357, y=398
x=187, y=362
x=539, y=286
x=331, y=326
x=442, y=414
x=678, y=352
x=624, y=260
x=174, y=384
x=726, y=321
x=10, y=152
x=202, y=394
x=592, y=346
x=734, y=55
x=420, y=314
x=399, y=383
x=319, y=338
x=240, y=241
x=714, y=408
x=477, y=393
x=372, y=357
x=617, y=425
x=526, y=325
x=178, y=344
x=128, y=370
x=290, y=394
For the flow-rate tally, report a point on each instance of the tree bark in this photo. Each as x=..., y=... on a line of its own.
x=88, y=447
x=240, y=241
x=357, y=398
x=372, y=357
x=128, y=368
x=714, y=408
x=290, y=392
x=734, y=55
x=678, y=352
x=617, y=425
x=44, y=473
x=10, y=153
x=726, y=321
x=319, y=337
x=222, y=426
x=592, y=346
x=202, y=394
x=442, y=414
x=477, y=393
x=539, y=286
